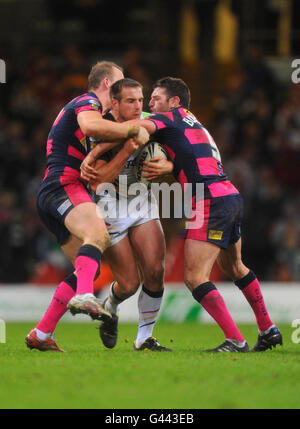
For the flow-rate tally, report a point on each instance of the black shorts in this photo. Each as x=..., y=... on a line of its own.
x=55, y=201
x=219, y=221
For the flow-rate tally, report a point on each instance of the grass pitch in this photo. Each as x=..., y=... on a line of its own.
x=89, y=376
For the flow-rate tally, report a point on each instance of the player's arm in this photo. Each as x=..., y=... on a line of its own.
x=106, y=172
x=87, y=166
x=144, y=123
x=157, y=167
x=92, y=124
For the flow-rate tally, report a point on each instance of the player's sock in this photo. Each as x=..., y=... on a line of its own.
x=42, y=335
x=267, y=330
x=237, y=343
x=209, y=297
x=250, y=287
x=148, y=305
x=58, y=306
x=86, y=264
x=113, y=302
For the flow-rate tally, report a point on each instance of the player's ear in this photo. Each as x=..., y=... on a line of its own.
x=174, y=102
x=114, y=102
x=106, y=82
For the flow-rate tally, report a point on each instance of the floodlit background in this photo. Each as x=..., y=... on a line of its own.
x=235, y=55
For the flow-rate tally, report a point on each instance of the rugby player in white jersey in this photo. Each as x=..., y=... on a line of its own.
x=134, y=234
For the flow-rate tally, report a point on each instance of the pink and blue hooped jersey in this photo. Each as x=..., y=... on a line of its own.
x=193, y=151
x=67, y=146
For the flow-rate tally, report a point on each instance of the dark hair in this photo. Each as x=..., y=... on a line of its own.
x=99, y=71
x=116, y=88
x=175, y=87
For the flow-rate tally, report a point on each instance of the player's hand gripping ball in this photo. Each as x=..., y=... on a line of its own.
x=150, y=151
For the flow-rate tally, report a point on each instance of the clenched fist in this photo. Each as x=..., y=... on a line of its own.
x=140, y=134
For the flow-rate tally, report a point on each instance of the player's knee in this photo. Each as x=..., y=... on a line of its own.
x=192, y=281
x=128, y=287
x=103, y=241
x=100, y=240
x=188, y=280
x=154, y=276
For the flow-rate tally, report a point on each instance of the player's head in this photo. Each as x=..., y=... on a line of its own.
x=168, y=93
x=104, y=73
x=127, y=99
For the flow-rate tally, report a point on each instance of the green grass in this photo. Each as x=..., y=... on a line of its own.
x=90, y=376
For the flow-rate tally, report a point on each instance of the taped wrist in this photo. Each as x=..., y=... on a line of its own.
x=133, y=131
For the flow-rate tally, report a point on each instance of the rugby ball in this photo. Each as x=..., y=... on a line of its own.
x=149, y=151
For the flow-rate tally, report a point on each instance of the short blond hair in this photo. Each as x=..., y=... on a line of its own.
x=100, y=71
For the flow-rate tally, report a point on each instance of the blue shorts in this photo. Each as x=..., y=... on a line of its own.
x=55, y=201
x=219, y=220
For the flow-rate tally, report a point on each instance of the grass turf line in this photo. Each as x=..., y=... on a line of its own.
x=89, y=376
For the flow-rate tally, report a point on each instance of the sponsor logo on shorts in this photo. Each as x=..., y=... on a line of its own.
x=64, y=207
x=215, y=235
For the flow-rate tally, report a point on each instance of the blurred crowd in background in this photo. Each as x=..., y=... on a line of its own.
x=257, y=129
x=255, y=123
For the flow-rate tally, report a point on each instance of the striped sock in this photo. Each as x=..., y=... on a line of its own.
x=149, y=306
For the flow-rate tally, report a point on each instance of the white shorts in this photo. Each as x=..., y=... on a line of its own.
x=122, y=213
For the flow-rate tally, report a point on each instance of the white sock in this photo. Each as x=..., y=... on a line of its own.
x=113, y=303
x=236, y=342
x=267, y=331
x=149, y=305
x=42, y=335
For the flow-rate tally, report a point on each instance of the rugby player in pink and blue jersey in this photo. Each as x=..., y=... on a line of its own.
x=196, y=159
x=66, y=207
